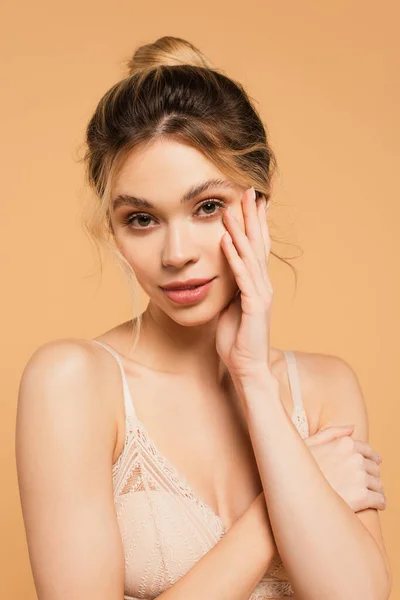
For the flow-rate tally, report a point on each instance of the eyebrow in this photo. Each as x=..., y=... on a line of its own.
x=192, y=192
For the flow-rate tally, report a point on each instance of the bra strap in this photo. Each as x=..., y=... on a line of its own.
x=129, y=409
x=294, y=379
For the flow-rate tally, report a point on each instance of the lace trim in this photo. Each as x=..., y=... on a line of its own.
x=170, y=472
x=299, y=418
x=128, y=476
x=272, y=589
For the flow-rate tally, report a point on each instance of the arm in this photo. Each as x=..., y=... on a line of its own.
x=328, y=551
x=65, y=437
x=235, y=565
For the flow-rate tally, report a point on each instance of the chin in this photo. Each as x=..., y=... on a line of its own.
x=192, y=320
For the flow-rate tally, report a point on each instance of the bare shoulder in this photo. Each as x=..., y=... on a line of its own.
x=58, y=357
x=331, y=389
x=66, y=358
x=65, y=378
x=58, y=363
x=333, y=384
x=318, y=369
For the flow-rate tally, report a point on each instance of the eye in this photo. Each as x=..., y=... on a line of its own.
x=209, y=203
x=145, y=218
x=130, y=218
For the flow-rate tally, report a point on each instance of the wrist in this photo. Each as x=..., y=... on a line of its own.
x=259, y=383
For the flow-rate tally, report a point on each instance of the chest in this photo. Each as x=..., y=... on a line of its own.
x=187, y=475
x=202, y=432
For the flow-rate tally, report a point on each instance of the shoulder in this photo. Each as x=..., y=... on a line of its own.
x=318, y=369
x=67, y=357
x=64, y=378
x=58, y=357
x=59, y=363
x=332, y=384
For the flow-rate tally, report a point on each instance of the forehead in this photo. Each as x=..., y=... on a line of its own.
x=166, y=170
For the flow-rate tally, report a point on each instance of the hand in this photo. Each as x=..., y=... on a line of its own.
x=350, y=466
x=242, y=337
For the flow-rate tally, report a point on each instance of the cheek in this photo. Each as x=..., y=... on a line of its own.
x=144, y=256
x=141, y=257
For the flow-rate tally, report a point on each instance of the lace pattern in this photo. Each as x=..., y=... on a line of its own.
x=299, y=419
x=165, y=527
x=157, y=510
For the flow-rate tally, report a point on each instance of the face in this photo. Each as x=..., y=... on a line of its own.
x=166, y=237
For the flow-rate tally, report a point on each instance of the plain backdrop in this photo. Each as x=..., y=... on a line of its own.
x=325, y=78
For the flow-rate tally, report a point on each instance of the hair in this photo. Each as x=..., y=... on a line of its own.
x=172, y=91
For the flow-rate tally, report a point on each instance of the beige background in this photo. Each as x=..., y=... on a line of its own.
x=325, y=77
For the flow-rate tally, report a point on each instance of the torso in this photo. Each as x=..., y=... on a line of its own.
x=210, y=430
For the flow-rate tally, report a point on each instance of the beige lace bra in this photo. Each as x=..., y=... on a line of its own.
x=165, y=528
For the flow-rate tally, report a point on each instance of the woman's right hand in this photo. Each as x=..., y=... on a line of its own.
x=350, y=466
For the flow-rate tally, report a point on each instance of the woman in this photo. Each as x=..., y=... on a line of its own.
x=196, y=462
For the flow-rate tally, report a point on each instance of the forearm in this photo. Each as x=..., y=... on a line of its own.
x=326, y=550
x=234, y=566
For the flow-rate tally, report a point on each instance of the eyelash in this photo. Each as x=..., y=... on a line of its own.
x=128, y=220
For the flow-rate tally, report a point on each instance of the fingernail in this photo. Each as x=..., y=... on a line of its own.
x=253, y=193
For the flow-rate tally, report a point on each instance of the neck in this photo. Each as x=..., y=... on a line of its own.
x=169, y=347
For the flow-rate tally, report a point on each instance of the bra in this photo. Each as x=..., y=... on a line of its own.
x=165, y=527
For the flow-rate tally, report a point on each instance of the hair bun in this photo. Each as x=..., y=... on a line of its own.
x=167, y=50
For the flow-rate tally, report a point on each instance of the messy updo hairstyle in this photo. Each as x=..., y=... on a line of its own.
x=171, y=91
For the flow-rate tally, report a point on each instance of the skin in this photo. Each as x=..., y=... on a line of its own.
x=174, y=369
x=176, y=350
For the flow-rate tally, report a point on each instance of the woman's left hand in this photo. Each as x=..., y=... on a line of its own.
x=243, y=330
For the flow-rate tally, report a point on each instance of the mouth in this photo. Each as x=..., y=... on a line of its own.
x=188, y=294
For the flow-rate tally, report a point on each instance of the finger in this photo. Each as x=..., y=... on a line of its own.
x=262, y=211
x=244, y=251
x=365, y=449
x=253, y=227
x=372, y=468
x=329, y=433
x=375, y=500
x=243, y=279
x=337, y=429
x=375, y=484
x=263, y=214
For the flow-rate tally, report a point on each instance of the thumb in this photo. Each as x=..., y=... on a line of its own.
x=330, y=433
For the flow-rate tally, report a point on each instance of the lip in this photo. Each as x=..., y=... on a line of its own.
x=179, y=285
x=189, y=296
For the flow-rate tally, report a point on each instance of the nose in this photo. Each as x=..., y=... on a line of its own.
x=180, y=246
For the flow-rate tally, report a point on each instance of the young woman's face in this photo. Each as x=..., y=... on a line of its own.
x=166, y=237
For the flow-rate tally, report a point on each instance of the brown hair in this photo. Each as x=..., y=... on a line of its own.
x=172, y=91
